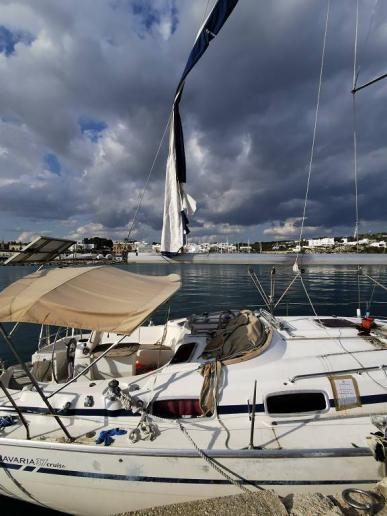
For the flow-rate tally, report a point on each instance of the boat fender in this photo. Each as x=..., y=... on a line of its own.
x=373, y=502
x=106, y=436
x=8, y=421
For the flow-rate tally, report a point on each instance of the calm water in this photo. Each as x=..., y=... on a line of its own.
x=333, y=290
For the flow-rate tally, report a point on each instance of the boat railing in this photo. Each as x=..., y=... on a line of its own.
x=14, y=404
x=293, y=305
x=8, y=340
x=47, y=336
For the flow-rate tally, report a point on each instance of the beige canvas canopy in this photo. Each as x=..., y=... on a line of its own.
x=96, y=298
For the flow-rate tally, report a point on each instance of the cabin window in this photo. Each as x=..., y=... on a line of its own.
x=173, y=409
x=296, y=402
x=183, y=353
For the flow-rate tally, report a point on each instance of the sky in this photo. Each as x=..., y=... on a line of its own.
x=86, y=90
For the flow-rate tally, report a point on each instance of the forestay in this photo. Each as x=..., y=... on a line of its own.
x=97, y=298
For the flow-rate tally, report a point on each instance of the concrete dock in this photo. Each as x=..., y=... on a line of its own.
x=268, y=503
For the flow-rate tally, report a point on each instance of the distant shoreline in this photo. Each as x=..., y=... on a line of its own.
x=263, y=258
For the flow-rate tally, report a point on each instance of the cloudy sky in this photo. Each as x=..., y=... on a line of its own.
x=85, y=93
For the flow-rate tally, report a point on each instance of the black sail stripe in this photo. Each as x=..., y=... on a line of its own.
x=211, y=27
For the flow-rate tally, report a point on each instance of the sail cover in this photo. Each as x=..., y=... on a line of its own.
x=178, y=205
x=93, y=298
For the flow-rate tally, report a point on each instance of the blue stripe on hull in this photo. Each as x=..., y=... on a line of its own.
x=175, y=480
x=222, y=409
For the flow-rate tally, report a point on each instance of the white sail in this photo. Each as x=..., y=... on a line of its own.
x=172, y=237
x=177, y=204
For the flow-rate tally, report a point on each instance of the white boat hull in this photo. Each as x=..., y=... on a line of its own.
x=79, y=480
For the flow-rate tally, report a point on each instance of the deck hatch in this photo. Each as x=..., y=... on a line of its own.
x=336, y=323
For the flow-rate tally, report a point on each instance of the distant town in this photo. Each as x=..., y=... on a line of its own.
x=97, y=248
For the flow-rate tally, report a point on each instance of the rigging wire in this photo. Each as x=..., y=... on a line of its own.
x=141, y=196
x=379, y=77
x=354, y=119
x=367, y=37
x=205, y=13
x=259, y=287
x=347, y=351
x=375, y=281
x=371, y=298
x=355, y=89
x=296, y=269
x=286, y=290
x=314, y=129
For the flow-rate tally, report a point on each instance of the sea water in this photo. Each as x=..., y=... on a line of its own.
x=333, y=290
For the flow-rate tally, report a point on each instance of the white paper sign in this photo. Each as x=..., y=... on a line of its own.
x=346, y=392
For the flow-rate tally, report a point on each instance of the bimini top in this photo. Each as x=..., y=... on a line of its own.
x=96, y=298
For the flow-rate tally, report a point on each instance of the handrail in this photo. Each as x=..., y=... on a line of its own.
x=337, y=371
x=9, y=342
x=87, y=368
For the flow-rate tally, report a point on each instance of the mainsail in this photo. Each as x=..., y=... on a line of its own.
x=178, y=205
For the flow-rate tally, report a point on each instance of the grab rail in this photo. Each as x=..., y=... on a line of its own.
x=337, y=371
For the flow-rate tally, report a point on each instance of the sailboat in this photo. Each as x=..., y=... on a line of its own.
x=114, y=415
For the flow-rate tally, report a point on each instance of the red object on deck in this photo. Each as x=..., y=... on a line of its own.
x=173, y=409
x=367, y=322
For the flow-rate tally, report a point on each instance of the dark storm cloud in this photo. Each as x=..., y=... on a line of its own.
x=93, y=87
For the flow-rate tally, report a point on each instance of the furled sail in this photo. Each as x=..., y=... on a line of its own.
x=178, y=205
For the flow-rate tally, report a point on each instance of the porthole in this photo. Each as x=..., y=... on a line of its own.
x=295, y=403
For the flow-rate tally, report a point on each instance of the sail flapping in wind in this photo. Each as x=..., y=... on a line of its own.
x=178, y=205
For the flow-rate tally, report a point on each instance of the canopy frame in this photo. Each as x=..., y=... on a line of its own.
x=11, y=346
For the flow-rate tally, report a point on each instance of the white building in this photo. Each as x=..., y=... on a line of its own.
x=81, y=247
x=345, y=242
x=321, y=242
x=381, y=244
x=245, y=248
